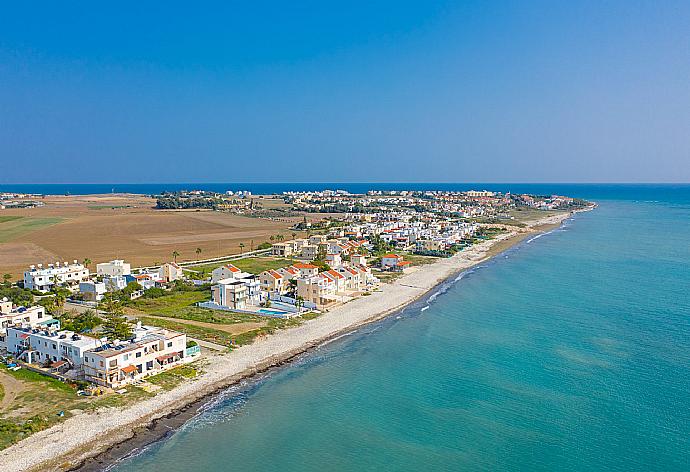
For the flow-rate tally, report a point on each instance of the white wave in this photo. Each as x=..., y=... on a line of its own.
x=425, y=308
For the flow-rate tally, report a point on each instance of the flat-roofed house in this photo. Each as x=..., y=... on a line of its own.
x=281, y=249
x=230, y=293
x=43, y=346
x=43, y=279
x=113, y=268
x=114, y=365
x=20, y=316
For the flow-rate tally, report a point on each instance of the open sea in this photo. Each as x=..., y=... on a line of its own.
x=569, y=352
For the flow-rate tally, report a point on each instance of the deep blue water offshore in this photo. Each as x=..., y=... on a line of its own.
x=570, y=352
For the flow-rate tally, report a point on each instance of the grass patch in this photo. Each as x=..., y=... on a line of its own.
x=254, y=265
x=6, y=218
x=215, y=336
x=169, y=305
x=15, y=228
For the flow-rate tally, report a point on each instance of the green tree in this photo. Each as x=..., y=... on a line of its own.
x=299, y=302
x=198, y=251
x=280, y=237
x=86, y=262
x=175, y=254
x=241, y=247
x=294, y=235
x=115, y=324
x=7, y=280
x=272, y=238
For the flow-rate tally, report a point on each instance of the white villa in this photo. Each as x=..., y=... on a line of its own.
x=43, y=279
x=113, y=268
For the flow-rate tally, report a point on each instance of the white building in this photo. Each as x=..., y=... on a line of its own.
x=114, y=268
x=230, y=293
x=46, y=346
x=28, y=317
x=92, y=291
x=152, y=351
x=43, y=279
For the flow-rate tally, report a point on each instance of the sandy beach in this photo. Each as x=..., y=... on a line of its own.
x=66, y=445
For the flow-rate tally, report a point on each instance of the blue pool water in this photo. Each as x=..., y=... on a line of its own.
x=570, y=352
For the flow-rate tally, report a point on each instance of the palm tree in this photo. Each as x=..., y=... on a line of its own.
x=86, y=262
x=299, y=303
x=241, y=247
x=251, y=245
x=294, y=235
x=272, y=238
x=198, y=251
x=280, y=237
x=175, y=254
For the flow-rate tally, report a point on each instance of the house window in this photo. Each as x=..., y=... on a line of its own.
x=113, y=363
x=170, y=344
x=139, y=354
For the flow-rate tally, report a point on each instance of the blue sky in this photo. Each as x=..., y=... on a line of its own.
x=345, y=91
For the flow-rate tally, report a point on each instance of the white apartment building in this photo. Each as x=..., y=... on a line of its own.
x=43, y=279
x=114, y=365
x=230, y=293
x=28, y=317
x=46, y=346
x=113, y=268
x=92, y=291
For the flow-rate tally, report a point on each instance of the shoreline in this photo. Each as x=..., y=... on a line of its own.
x=90, y=441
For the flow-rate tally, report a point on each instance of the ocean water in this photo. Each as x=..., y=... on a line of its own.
x=570, y=352
x=599, y=191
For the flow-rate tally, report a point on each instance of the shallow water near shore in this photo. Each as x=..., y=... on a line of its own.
x=569, y=352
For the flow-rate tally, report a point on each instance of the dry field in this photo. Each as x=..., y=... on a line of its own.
x=104, y=227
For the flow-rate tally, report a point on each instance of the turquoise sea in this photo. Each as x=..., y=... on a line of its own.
x=570, y=352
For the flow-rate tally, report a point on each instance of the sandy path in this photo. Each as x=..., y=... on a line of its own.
x=12, y=388
x=73, y=440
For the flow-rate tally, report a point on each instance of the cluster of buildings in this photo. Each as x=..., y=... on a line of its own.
x=19, y=200
x=109, y=277
x=35, y=337
x=316, y=245
x=467, y=204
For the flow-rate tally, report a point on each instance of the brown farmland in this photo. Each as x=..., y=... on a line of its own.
x=104, y=227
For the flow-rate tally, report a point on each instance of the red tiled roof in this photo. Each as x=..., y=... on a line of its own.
x=299, y=265
x=232, y=268
x=164, y=357
x=275, y=274
x=392, y=255
x=335, y=274
x=129, y=369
